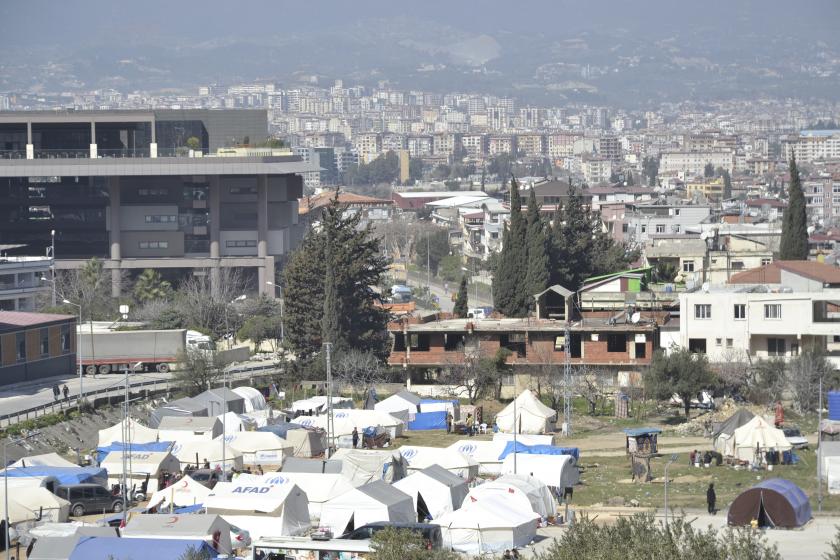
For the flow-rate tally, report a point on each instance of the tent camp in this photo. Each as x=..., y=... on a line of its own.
x=400, y=402
x=252, y=398
x=532, y=416
x=196, y=452
x=319, y=488
x=212, y=529
x=434, y=491
x=45, y=460
x=304, y=442
x=180, y=407
x=556, y=471
x=774, y=502
x=318, y=404
x=115, y=548
x=137, y=433
x=182, y=428
x=757, y=435
x=377, y=501
x=723, y=436
x=361, y=466
x=141, y=467
x=35, y=501
x=279, y=508
x=43, y=476
x=315, y=466
x=490, y=525
x=182, y=493
x=525, y=439
x=219, y=401
x=232, y=422
x=522, y=449
x=521, y=492
x=118, y=447
x=486, y=453
x=345, y=420
x=451, y=406
x=450, y=459
x=260, y=448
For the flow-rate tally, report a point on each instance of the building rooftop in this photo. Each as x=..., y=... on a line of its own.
x=524, y=325
x=25, y=319
x=324, y=199
x=438, y=194
x=772, y=273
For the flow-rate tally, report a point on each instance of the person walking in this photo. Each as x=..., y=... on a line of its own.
x=66, y=392
x=448, y=422
x=711, y=498
x=55, y=392
x=355, y=438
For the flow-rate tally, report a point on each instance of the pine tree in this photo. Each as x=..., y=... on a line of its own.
x=509, y=274
x=727, y=186
x=461, y=301
x=794, y=244
x=539, y=263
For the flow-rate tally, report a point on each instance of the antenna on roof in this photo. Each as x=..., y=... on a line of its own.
x=635, y=317
x=705, y=287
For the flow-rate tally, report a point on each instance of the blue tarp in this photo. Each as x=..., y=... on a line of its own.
x=190, y=509
x=428, y=421
x=64, y=475
x=151, y=447
x=539, y=450
x=636, y=432
x=436, y=401
x=280, y=428
x=115, y=548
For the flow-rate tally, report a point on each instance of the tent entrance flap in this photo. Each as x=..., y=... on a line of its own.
x=763, y=517
x=422, y=509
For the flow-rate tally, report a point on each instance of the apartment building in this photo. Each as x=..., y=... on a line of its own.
x=693, y=163
x=20, y=281
x=36, y=346
x=812, y=145
x=497, y=144
x=474, y=145
x=646, y=219
x=368, y=145
x=531, y=145
x=596, y=170
x=822, y=200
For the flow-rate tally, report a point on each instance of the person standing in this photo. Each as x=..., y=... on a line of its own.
x=448, y=422
x=66, y=392
x=470, y=424
x=355, y=438
x=55, y=392
x=780, y=414
x=711, y=498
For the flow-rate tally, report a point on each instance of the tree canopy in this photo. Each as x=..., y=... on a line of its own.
x=682, y=372
x=794, y=244
x=508, y=294
x=461, y=300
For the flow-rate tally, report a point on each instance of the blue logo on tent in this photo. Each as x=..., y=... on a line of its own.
x=467, y=448
x=341, y=415
x=306, y=422
x=251, y=490
x=276, y=481
x=408, y=453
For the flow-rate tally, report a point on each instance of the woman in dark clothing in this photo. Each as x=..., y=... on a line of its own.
x=711, y=498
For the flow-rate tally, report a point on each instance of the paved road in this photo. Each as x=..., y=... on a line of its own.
x=444, y=295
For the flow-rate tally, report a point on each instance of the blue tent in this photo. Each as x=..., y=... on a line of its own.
x=280, y=428
x=151, y=447
x=115, y=548
x=64, y=475
x=538, y=450
x=774, y=502
x=428, y=421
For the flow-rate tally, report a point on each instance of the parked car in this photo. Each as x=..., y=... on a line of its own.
x=205, y=477
x=89, y=498
x=430, y=533
x=795, y=437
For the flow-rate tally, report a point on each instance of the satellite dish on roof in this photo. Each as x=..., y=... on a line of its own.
x=811, y=229
x=704, y=235
x=706, y=287
x=635, y=317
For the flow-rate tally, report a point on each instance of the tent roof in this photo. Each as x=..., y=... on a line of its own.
x=248, y=496
x=137, y=433
x=218, y=394
x=301, y=465
x=115, y=548
x=251, y=442
x=188, y=423
x=165, y=524
x=45, y=460
x=441, y=475
x=252, y=396
x=488, y=513
x=186, y=404
x=782, y=493
x=738, y=419
x=408, y=396
x=383, y=493
x=185, y=491
x=527, y=401
x=759, y=432
x=53, y=548
x=636, y=432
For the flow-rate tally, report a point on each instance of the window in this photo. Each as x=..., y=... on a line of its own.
x=153, y=192
x=740, y=311
x=45, y=342
x=624, y=228
x=703, y=311
x=154, y=244
x=162, y=219
x=772, y=310
x=20, y=339
x=737, y=265
x=243, y=190
x=697, y=345
x=676, y=212
x=65, y=338
x=718, y=342
x=676, y=228
x=765, y=261
x=616, y=343
x=660, y=228
x=241, y=243
x=835, y=189
x=688, y=266
x=776, y=346
x=644, y=228
x=641, y=350
x=729, y=343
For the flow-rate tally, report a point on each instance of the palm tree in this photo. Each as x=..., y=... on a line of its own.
x=150, y=286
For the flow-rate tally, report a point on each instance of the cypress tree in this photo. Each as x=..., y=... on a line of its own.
x=461, y=301
x=511, y=268
x=727, y=186
x=794, y=244
x=539, y=263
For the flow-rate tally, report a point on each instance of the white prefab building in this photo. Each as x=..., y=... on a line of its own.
x=181, y=428
x=754, y=323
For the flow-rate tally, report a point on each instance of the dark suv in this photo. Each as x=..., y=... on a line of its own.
x=89, y=498
x=431, y=533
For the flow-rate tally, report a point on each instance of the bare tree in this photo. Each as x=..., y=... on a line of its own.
x=471, y=376
x=358, y=370
x=547, y=377
x=89, y=286
x=589, y=383
x=209, y=307
x=198, y=371
x=804, y=374
x=734, y=370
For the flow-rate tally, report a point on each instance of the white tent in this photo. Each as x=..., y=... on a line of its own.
x=758, y=434
x=180, y=428
x=434, y=490
x=485, y=453
x=831, y=472
x=277, y=509
x=141, y=463
x=26, y=504
x=457, y=463
x=260, y=448
x=306, y=443
x=525, y=439
x=377, y=501
x=137, y=433
x=258, y=418
x=558, y=471
x=345, y=420
x=45, y=460
x=361, y=466
x=196, y=452
x=254, y=400
x=318, y=404
x=182, y=493
x=520, y=492
x=212, y=529
x=319, y=487
x=400, y=402
x=532, y=416
x=488, y=526
x=232, y=422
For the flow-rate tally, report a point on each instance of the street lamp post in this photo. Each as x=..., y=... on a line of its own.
x=6, y=483
x=52, y=264
x=78, y=351
x=282, y=302
x=671, y=460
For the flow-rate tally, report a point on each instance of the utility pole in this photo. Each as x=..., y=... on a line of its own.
x=819, y=448
x=567, y=383
x=330, y=419
x=428, y=267
x=52, y=266
x=515, y=430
